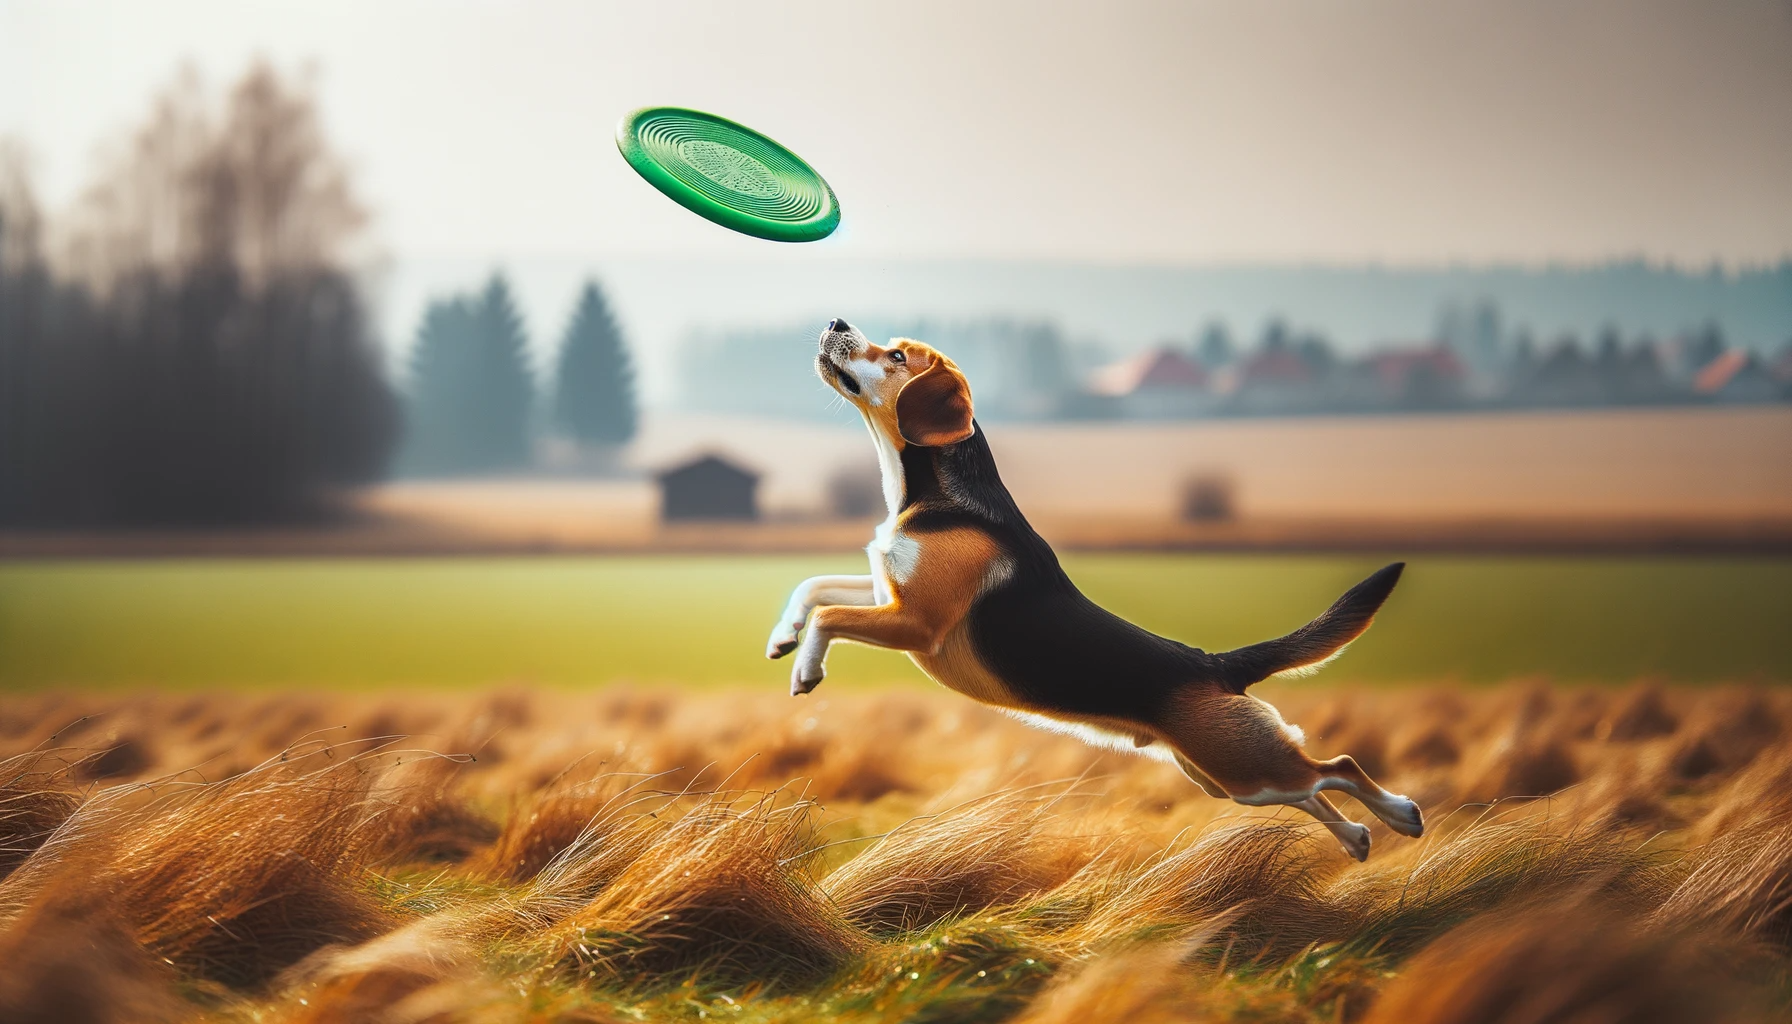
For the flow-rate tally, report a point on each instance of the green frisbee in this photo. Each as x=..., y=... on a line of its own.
x=728, y=173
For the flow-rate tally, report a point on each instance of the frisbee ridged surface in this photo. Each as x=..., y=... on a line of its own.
x=728, y=173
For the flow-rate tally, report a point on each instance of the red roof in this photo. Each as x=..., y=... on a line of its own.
x=1393, y=369
x=1718, y=371
x=1159, y=369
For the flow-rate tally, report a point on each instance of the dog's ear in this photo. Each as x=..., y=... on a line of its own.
x=934, y=407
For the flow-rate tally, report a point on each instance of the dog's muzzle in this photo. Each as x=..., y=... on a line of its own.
x=839, y=344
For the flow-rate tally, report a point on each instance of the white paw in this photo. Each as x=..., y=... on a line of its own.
x=1355, y=841
x=783, y=641
x=804, y=679
x=1405, y=818
x=811, y=664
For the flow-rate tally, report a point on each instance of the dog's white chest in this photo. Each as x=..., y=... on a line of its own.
x=893, y=558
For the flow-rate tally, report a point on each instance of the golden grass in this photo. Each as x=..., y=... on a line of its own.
x=990, y=852
x=1576, y=963
x=624, y=856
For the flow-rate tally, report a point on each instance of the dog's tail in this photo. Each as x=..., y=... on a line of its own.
x=1312, y=645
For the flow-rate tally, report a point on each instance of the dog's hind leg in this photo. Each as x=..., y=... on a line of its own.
x=1243, y=744
x=1353, y=837
x=1197, y=776
x=1345, y=775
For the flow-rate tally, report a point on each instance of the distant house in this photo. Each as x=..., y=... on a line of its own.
x=1275, y=368
x=1159, y=383
x=1638, y=377
x=1163, y=368
x=1565, y=377
x=710, y=487
x=1419, y=377
x=1274, y=379
x=1736, y=376
x=1395, y=369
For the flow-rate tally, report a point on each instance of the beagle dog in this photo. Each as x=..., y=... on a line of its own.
x=963, y=584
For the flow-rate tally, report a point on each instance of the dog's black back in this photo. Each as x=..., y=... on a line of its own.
x=1059, y=651
x=1055, y=648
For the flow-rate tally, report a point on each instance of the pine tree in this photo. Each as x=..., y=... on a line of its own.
x=471, y=391
x=509, y=384
x=1215, y=349
x=594, y=388
x=441, y=375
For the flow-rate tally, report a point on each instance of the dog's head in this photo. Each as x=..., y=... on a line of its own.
x=909, y=392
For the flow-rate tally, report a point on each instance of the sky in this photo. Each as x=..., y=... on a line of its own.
x=1134, y=132
x=1263, y=131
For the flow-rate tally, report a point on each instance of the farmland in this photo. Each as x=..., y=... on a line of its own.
x=695, y=620
x=531, y=790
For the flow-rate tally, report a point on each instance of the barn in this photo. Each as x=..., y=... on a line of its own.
x=709, y=487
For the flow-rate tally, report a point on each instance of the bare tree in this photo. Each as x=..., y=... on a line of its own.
x=253, y=188
x=21, y=223
x=206, y=356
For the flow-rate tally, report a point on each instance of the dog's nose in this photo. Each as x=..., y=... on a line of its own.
x=838, y=326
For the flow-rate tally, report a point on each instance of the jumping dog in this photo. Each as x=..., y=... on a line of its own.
x=963, y=584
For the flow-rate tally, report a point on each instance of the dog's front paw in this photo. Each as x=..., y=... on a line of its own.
x=811, y=664
x=783, y=639
x=801, y=684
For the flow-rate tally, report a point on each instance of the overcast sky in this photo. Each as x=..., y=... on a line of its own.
x=1133, y=132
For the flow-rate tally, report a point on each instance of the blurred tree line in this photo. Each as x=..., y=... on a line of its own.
x=1020, y=369
x=473, y=405
x=201, y=355
x=191, y=345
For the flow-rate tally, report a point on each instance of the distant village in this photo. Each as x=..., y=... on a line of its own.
x=1031, y=371
x=1287, y=374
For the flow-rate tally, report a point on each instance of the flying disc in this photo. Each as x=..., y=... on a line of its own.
x=728, y=173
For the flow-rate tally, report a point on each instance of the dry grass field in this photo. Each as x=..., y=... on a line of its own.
x=1594, y=855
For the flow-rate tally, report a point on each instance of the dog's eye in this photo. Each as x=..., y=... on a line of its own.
x=896, y=356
